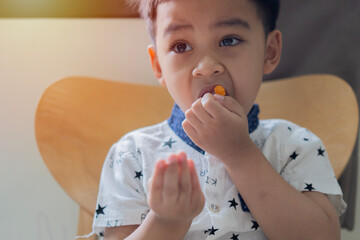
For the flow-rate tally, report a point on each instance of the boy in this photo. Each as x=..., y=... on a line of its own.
x=248, y=179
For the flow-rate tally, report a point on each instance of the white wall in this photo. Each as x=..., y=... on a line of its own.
x=33, y=54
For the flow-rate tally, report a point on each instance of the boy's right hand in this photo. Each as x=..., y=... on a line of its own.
x=175, y=193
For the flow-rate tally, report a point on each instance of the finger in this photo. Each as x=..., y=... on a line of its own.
x=193, y=119
x=230, y=104
x=200, y=112
x=189, y=130
x=185, y=179
x=156, y=182
x=211, y=106
x=171, y=179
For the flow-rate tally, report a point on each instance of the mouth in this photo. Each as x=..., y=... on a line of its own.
x=209, y=89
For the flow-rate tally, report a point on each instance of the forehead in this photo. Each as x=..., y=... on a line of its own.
x=204, y=11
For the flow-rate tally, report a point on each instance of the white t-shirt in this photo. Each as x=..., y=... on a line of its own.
x=295, y=153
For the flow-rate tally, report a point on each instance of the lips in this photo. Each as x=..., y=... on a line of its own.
x=207, y=89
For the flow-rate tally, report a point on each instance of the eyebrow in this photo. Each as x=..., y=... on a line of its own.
x=233, y=22
x=176, y=27
x=225, y=23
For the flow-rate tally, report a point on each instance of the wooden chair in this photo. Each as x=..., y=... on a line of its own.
x=79, y=118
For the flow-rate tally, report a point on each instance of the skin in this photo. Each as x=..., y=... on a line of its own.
x=200, y=44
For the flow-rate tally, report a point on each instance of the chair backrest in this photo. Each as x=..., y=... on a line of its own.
x=79, y=118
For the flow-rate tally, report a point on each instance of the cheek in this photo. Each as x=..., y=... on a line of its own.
x=252, y=92
x=247, y=78
x=246, y=91
x=179, y=85
x=182, y=97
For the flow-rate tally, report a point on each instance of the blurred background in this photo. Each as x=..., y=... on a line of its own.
x=65, y=9
x=44, y=40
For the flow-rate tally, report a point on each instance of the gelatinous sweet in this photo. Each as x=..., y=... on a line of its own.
x=219, y=90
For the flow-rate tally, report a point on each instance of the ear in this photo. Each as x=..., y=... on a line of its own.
x=155, y=64
x=273, y=51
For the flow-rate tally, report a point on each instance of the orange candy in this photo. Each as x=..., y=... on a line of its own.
x=219, y=90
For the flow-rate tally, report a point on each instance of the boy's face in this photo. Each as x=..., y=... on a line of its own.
x=203, y=43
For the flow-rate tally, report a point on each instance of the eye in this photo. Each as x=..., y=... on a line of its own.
x=230, y=41
x=181, y=47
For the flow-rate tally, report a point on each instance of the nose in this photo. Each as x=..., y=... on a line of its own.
x=208, y=66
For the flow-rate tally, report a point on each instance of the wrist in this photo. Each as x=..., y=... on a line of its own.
x=158, y=228
x=241, y=155
x=170, y=223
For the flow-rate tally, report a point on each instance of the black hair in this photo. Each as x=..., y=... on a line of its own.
x=268, y=11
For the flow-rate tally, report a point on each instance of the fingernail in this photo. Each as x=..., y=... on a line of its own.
x=171, y=159
x=205, y=98
x=182, y=156
x=161, y=164
x=219, y=97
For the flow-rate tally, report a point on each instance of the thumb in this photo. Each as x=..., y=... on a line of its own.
x=230, y=104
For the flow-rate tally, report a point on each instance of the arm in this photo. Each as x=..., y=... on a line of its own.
x=151, y=228
x=281, y=211
x=175, y=199
x=294, y=215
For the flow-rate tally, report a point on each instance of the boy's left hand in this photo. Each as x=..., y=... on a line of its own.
x=218, y=125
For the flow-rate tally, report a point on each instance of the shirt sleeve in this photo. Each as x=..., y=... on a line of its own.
x=121, y=198
x=304, y=163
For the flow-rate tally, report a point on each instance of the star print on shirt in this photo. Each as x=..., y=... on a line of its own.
x=321, y=152
x=235, y=237
x=294, y=155
x=169, y=143
x=309, y=187
x=138, y=174
x=233, y=203
x=211, y=231
x=255, y=225
x=100, y=210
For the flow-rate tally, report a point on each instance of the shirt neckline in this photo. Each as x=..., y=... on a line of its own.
x=177, y=117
